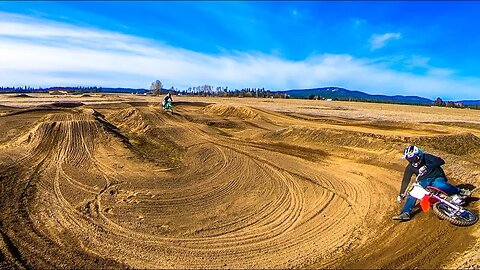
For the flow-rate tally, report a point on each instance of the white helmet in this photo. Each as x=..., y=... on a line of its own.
x=413, y=154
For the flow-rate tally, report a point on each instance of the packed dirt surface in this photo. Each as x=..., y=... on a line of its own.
x=113, y=181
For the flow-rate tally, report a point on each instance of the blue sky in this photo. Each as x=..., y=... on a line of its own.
x=427, y=49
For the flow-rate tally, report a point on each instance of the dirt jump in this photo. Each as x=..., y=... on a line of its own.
x=116, y=182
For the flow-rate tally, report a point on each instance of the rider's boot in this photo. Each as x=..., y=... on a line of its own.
x=465, y=192
x=402, y=217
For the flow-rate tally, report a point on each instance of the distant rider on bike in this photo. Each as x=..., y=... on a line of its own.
x=427, y=168
x=165, y=100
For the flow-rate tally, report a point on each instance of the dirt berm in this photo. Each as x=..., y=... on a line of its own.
x=223, y=183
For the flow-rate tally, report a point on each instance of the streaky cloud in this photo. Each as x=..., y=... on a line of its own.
x=379, y=41
x=44, y=53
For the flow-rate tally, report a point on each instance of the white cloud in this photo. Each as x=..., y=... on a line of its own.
x=44, y=53
x=379, y=41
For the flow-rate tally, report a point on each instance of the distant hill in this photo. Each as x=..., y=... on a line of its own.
x=470, y=103
x=344, y=94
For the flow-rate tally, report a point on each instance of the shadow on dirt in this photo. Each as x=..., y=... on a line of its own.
x=467, y=186
x=111, y=128
x=141, y=103
x=416, y=210
x=22, y=96
x=470, y=200
x=174, y=113
x=67, y=104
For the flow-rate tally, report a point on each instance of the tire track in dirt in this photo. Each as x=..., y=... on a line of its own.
x=230, y=203
x=248, y=231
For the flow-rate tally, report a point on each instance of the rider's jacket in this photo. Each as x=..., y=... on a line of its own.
x=434, y=170
x=166, y=98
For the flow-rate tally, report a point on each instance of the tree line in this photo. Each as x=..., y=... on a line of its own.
x=29, y=89
x=220, y=91
x=439, y=102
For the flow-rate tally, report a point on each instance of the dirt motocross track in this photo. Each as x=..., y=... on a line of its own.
x=114, y=181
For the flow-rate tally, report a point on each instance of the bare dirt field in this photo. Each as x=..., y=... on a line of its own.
x=113, y=181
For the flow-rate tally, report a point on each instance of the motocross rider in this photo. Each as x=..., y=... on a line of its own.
x=165, y=100
x=427, y=168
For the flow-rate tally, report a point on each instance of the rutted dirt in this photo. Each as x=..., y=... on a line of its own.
x=224, y=183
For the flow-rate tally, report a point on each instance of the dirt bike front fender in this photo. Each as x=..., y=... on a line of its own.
x=425, y=203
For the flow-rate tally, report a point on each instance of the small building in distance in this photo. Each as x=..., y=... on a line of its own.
x=58, y=92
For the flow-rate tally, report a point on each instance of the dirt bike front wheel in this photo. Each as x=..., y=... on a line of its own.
x=443, y=211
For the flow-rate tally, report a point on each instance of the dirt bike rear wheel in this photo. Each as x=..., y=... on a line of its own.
x=442, y=210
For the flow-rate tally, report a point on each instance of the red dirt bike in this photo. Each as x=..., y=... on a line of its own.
x=449, y=207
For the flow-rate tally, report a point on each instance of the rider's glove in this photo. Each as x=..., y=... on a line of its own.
x=422, y=170
x=400, y=198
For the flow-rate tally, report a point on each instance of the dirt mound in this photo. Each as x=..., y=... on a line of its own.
x=149, y=137
x=68, y=137
x=42, y=107
x=334, y=137
x=231, y=111
x=456, y=144
x=22, y=96
x=223, y=124
x=210, y=121
x=190, y=104
x=130, y=119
